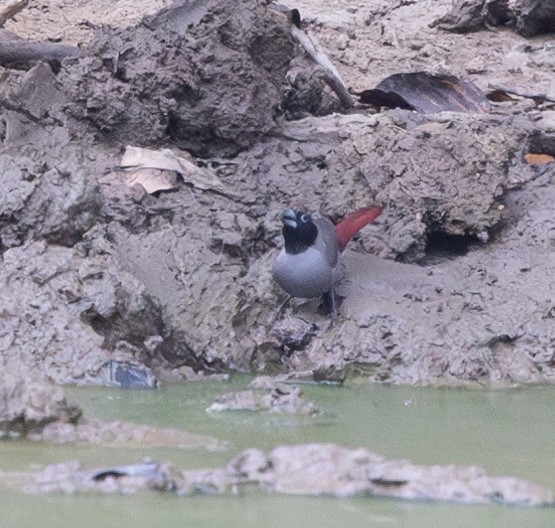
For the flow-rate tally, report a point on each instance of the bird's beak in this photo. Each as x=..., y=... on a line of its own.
x=288, y=217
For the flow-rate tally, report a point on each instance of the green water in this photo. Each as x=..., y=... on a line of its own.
x=506, y=432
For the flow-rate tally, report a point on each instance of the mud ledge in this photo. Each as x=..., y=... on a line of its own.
x=176, y=285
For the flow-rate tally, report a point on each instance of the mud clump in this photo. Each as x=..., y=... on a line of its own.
x=28, y=403
x=205, y=76
x=46, y=189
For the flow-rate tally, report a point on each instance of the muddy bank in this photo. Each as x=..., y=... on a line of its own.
x=450, y=286
x=33, y=408
x=122, y=434
x=29, y=403
x=312, y=469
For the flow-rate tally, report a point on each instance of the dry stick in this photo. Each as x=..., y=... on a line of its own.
x=331, y=75
x=10, y=8
x=24, y=51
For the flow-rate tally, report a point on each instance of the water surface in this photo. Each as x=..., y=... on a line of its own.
x=506, y=432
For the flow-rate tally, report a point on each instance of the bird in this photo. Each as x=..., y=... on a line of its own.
x=308, y=264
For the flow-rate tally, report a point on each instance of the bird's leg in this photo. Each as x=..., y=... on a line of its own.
x=327, y=306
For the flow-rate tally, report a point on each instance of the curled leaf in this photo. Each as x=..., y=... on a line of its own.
x=427, y=93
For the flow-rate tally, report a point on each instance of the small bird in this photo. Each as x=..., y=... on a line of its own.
x=307, y=266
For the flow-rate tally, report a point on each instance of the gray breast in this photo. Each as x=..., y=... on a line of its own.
x=307, y=274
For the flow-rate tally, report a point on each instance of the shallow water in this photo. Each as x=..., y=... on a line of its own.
x=506, y=432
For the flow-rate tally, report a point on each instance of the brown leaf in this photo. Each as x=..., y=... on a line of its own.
x=538, y=159
x=427, y=93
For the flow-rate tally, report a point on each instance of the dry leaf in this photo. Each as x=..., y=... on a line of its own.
x=156, y=168
x=152, y=180
x=427, y=93
x=538, y=159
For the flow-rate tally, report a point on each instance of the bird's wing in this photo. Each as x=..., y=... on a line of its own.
x=327, y=241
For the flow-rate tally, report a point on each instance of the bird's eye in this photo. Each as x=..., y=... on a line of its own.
x=304, y=218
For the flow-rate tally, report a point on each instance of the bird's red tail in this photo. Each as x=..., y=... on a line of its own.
x=354, y=222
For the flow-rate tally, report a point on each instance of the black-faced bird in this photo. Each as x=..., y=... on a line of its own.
x=308, y=265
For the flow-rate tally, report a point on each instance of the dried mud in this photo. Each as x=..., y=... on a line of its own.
x=452, y=285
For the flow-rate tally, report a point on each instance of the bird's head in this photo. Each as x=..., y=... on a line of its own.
x=299, y=231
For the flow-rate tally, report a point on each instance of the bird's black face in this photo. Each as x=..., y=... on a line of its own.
x=299, y=231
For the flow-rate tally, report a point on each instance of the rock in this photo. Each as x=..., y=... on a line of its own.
x=41, y=324
x=385, y=166
x=534, y=17
x=75, y=316
x=475, y=15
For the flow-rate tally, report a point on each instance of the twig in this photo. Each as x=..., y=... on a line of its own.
x=331, y=75
x=10, y=8
x=18, y=51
